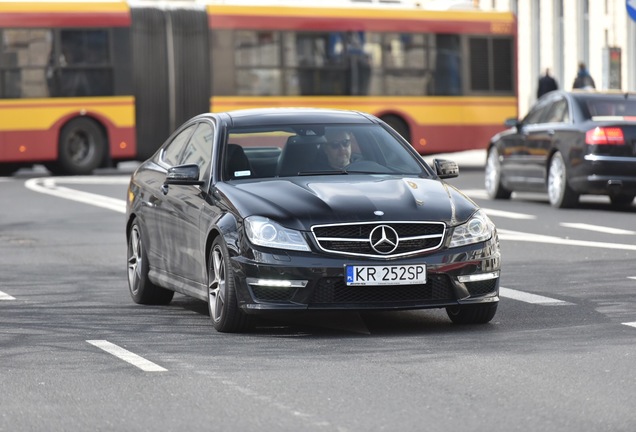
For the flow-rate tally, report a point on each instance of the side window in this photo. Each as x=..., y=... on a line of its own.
x=558, y=112
x=24, y=69
x=537, y=113
x=199, y=148
x=83, y=65
x=173, y=152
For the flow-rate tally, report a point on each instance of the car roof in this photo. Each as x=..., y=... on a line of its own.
x=285, y=116
x=601, y=94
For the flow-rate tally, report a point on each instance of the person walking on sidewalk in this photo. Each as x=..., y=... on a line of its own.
x=546, y=84
x=583, y=79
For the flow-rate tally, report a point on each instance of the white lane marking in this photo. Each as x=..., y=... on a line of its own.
x=537, y=238
x=94, y=180
x=5, y=296
x=49, y=186
x=631, y=277
x=531, y=298
x=598, y=228
x=127, y=356
x=507, y=214
x=631, y=324
x=475, y=193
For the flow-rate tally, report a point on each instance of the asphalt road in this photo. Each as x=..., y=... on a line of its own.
x=77, y=354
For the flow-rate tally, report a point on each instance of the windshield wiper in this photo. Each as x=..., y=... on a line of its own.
x=324, y=172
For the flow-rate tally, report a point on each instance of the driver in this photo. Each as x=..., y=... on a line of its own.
x=337, y=149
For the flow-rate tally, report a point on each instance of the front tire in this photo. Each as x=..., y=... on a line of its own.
x=492, y=179
x=142, y=290
x=472, y=314
x=559, y=192
x=222, y=301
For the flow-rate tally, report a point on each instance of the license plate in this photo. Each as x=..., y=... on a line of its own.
x=386, y=275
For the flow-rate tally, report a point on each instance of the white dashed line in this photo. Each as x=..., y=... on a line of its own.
x=127, y=356
x=531, y=298
x=5, y=296
x=597, y=228
x=631, y=324
x=631, y=277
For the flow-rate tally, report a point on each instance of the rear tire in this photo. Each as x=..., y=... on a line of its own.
x=559, y=191
x=82, y=148
x=492, y=180
x=622, y=201
x=472, y=314
x=142, y=290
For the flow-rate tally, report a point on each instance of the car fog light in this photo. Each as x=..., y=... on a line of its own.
x=478, y=277
x=281, y=283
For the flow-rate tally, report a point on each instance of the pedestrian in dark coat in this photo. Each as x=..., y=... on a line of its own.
x=583, y=79
x=546, y=84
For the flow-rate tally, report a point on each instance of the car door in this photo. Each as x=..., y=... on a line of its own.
x=551, y=131
x=158, y=217
x=521, y=149
x=184, y=204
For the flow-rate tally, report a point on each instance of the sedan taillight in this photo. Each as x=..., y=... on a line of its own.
x=605, y=135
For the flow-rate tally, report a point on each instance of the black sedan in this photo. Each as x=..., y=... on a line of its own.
x=569, y=144
x=305, y=209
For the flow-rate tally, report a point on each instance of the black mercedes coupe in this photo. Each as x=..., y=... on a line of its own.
x=305, y=209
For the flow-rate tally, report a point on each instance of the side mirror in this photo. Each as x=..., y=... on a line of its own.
x=446, y=168
x=183, y=175
x=513, y=122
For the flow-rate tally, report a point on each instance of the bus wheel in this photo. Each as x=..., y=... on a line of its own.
x=82, y=148
x=399, y=125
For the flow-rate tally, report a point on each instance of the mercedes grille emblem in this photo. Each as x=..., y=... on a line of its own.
x=384, y=239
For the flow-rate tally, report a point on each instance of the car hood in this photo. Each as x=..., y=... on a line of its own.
x=302, y=202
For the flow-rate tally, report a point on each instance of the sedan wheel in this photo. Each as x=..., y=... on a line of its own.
x=559, y=192
x=142, y=290
x=492, y=182
x=222, y=302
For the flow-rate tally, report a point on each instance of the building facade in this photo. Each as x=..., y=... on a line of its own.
x=559, y=34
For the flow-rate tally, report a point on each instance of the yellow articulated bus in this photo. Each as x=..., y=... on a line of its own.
x=84, y=85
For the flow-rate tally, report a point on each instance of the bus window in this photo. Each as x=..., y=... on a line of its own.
x=83, y=64
x=24, y=56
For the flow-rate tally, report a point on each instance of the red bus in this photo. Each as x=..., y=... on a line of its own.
x=85, y=85
x=65, y=99
x=444, y=79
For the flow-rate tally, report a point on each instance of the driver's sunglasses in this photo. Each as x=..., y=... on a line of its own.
x=345, y=143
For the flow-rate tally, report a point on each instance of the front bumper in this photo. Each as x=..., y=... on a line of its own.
x=267, y=281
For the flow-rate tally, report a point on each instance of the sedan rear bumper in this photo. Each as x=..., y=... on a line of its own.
x=604, y=175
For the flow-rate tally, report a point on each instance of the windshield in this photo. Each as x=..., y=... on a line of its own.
x=299, y=150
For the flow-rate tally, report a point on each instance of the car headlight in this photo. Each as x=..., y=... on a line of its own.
x=478, y=228
x=265, y=232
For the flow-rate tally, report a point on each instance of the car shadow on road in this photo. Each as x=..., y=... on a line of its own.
x=344, y=323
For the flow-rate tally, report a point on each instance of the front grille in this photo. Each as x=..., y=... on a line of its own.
x=334, y=291
x=366, y=239
x=482, y=287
